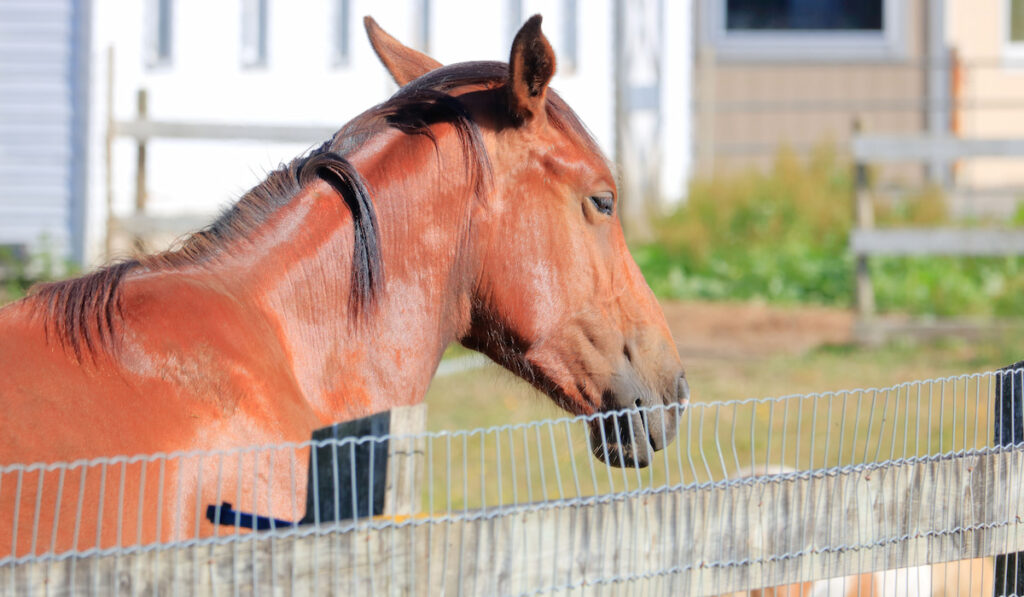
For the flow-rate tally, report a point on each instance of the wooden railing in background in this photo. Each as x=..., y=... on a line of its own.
x=142, y=129
x=867, y=241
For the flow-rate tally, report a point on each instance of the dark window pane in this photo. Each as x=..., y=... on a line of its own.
x=804, y=15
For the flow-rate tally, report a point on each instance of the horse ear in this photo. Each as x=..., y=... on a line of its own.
x=403, y=62
x=530, y=68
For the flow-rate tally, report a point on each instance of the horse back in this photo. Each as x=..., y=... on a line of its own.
x=185, y=374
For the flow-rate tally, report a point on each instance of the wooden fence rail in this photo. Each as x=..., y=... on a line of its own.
x=698, y=541
x=924, y=504
x=867, y=241
x=143, y=129
x=140, y=224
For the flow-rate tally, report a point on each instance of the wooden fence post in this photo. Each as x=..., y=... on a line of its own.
x=108, y=156
x=406, y=460
x=706, y=116
x=863, y=219
x=142, y=103
x=1009, y=431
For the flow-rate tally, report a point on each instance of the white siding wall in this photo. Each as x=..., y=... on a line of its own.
x=40, y=126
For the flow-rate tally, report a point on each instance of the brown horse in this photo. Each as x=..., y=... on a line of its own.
x=472, y=206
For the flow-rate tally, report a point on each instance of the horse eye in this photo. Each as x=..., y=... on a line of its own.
x=604, y=203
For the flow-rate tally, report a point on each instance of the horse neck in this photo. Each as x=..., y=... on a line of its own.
x=349, y=362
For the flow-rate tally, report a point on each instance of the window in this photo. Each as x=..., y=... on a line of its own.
x=254, y=33
x=340, y=42
x=569, y=54
x=803, y=15
x=1015, y=30
x=159, y=20
x=513, y=19
x=806, y=29
x=424, y=28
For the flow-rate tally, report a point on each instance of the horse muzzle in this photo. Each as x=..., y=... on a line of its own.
x=629, y=436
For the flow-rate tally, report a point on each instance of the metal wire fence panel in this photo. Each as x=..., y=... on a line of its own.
x=807, y=489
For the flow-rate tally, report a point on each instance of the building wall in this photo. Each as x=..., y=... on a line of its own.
x=206, y=81
x=301, y=84
x=990, y=92
x=748, y=107
x=42, y=125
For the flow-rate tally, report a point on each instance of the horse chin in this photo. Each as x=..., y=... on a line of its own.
x=621, y=440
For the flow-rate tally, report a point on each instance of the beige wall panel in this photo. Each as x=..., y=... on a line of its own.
x=760, y=106
x=991, y=92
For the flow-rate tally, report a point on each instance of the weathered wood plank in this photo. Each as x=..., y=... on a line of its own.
x=864, y=217
x=959, y=242
x=916, y=148
x=142, y=130
x=138, y=224
x=704, y=541
x=406, y=457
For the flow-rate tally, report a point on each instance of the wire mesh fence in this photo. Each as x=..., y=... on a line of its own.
x=752, y=493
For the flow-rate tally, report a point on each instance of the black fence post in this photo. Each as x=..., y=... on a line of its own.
x=348, y=481
x=1009, y=431
x=347, y=477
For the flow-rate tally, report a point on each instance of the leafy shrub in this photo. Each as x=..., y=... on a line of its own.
x=20, y=268
x=782, y=236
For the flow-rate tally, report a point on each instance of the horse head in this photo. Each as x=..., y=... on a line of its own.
x=557, y=298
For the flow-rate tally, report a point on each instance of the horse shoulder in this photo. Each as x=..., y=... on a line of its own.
x=223, y=358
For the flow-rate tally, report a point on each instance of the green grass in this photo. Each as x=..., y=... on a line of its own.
x=491, y=396
x=19, y=272
x=465, y=470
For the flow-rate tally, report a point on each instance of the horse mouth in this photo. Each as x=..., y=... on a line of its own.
x=630, y=438
x=623, y=439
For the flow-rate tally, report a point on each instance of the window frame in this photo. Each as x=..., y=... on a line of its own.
x=569, y=54
x=159, y=34
x=423, y=9
x=253, y=44
x=341, y=33
x=889, y=44
x=513, y=19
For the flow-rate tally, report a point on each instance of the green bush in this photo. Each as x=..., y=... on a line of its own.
x=20, y=269
x=14, y=281
x=782, y=236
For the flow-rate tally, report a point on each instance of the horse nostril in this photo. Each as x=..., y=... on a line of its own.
x=682, y=389
x=627, y=353
x=638, y=403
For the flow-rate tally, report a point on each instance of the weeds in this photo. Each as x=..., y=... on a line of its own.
x=782, y=236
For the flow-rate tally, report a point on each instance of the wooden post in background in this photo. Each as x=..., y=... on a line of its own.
x=406, y=460
x=937, y=88
x=108, y=157
x=142, y=106
x=1009, y=431
x=863, y=218
x=705, y=113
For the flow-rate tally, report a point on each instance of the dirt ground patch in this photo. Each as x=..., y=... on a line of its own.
x=729, y=331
